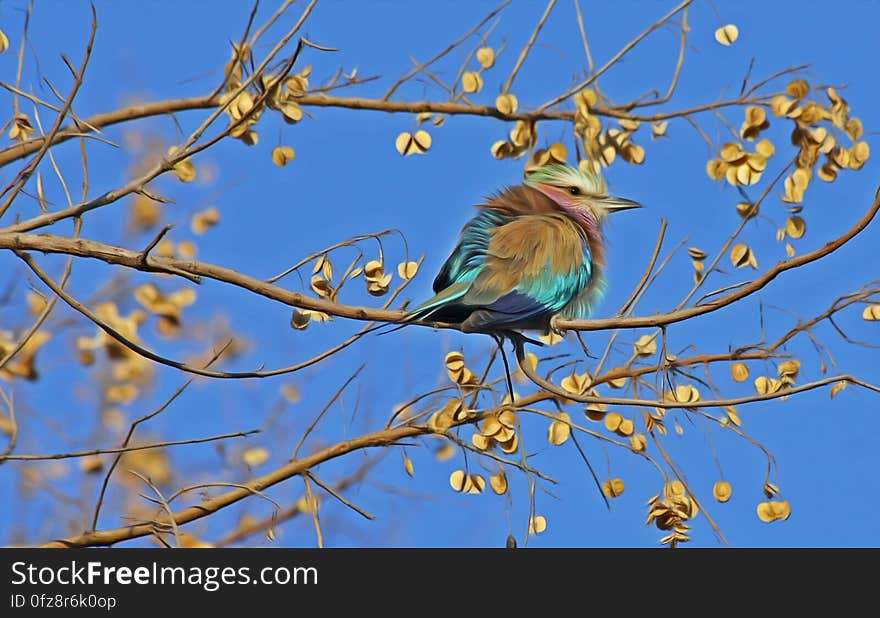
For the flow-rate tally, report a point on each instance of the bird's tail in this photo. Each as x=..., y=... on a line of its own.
x=427, y=309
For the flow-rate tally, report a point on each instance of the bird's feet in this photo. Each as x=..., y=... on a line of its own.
x=518, y=337
x=554, y=326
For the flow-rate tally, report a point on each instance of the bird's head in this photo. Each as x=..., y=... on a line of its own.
x=577, y=191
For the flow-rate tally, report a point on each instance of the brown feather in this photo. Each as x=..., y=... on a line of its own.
x=522, y=249
x=521, y=200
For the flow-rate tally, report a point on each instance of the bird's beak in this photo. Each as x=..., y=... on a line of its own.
x=613, y=204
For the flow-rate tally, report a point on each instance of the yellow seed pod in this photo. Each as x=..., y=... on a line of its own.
x=854, y=129
x=255, y=456
x=765, y=385
x=721, y=491
x=575, y=383
x=300, y=319
x=491, y=426
x=746, y=175
x=471, y=82
x=727, y=35
x=413, y=143
x=559, y=430
x=828, y=172
x=498, y=483
x=795, y=227
x=458, y=479
x=646, y=345
x=626, y=427
x=613, y=421
x=697, y=254
x=510, y=446
x=445, y=417
x=475, y=484
x=557, y=152
x=508, y=419
x=486, y=57
x=633, y=153
x=502, y=149
x=282, y=155
x=537, y=524
x=658, y=128
x=482, y=442
x=185, y=170
x=871, y=313
x=797, y=89
x=687, y=393
x=407, y=270
x=747, y=210
x=506, y=103
x=595, y=411
x=586, y=98
x=858, y=155
x=674, y=489
x=716, y=169
x=638, y=442
x=454, y=361
x=740, y=372
x=789, y=368
x=741, y=255
x=781, y=105
x=733, y=416
x=755, y=116
x=613, y=488
x=774, y=510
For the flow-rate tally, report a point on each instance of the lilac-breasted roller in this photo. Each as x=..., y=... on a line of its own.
x=534, y=251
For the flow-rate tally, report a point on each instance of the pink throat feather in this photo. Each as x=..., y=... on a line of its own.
x=584, y=217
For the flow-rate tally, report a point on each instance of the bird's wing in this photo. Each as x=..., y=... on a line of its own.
x=470, y=252
x=534, y=266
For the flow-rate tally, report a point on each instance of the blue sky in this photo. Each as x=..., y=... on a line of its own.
x=348, y=179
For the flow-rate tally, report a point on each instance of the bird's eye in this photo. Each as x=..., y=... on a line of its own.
x=574, y=190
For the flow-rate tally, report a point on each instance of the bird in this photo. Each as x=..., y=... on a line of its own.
x=533, y=253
